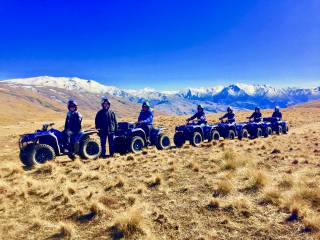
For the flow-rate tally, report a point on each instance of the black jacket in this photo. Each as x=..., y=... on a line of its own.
x=200, y=116
x=230, y=117
x=277, y=115
x=73, y=122
x=106, y=121
x=257, y=116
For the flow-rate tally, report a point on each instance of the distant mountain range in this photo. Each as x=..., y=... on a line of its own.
x=215, y=99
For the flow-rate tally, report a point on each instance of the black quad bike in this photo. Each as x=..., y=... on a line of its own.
x=45, y=144
x=130, y=137
x=195, y=133
x=231, y=131
x=277, y=126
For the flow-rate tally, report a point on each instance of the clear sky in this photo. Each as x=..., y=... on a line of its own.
x=164, y=44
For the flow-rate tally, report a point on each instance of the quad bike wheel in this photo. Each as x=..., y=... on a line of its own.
x=231, y=134
x=196, y=139
x=137, y=144
x=269, y=131
x=90, y=149
x=285, y=130
x=24, y=153
x=214, y=136
x=39, y=154
x=178, y=139
x=279, y=130
x=259, y=133
x=163, y=142
x=243, y=134
x=120, y=145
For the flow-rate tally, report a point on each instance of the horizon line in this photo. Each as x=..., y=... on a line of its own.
x=314, y=85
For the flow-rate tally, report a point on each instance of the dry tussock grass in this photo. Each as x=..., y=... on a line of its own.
x=227, y=190
x=129, y=225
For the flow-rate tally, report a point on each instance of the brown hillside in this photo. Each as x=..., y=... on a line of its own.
x=30, y=104
x=266, y=188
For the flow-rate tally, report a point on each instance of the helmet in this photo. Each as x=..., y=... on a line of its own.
x=257, y=109
x=72, y=103
x=277, y=108
x=104, y=99
x=200, y=106
x=229, y=109
x=146, y=104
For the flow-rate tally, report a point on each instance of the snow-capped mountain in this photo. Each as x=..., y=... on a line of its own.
x=240, y=96
x=71, y=84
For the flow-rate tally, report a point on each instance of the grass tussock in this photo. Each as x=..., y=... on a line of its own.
x=271, y=194
x=224, y=187
x=258, y=179
x=44, y=169
x=129, y=225
x=155, y=182
x=312, y=223
x=214, y=203
x=230, y=160
x=120, y=183
x=65, y=231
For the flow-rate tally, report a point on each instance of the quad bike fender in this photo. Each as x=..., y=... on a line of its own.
x=198, y=129
x=138, y=132
x=51, y=140
x=83, y=135
x=207, y=130
x=239, y=128
x=154, y=135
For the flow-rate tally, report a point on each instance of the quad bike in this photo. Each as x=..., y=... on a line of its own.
x=277, y=126
x=256, y=129
x=131, y=137
x=231, y=131
x=195, y=133
x=45, y=144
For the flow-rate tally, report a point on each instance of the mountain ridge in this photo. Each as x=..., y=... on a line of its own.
x=239, y=95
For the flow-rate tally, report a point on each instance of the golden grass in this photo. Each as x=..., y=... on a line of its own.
x=129, y=225
x=231, y=190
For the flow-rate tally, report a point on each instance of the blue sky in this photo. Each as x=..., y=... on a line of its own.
x=163, y=44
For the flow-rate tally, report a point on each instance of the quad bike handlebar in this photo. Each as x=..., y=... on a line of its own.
x=47, y=125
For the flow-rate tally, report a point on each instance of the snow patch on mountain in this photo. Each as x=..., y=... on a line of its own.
x=239, y=95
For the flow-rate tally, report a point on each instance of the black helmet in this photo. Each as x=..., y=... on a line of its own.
x=277, y=108
x=200, y=107
x=257, y=109
x=146, y=104
x=72, y=103
x=104, y=99
x=229, y=109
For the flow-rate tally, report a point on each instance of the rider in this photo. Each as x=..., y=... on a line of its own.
x=199, y=115
x=106, y=123
x=229, y=115
x=277, y=114
x=256, y=115
x=72, y=125
x=145, y=119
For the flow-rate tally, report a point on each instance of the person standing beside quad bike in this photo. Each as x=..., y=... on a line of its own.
x=145, y=119
x=199, y=115
x=72, y=126
x=106, y=123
